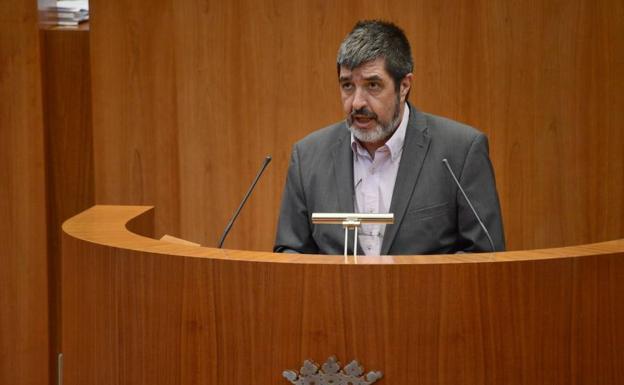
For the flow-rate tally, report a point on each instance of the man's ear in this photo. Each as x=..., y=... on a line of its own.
x=406, y=85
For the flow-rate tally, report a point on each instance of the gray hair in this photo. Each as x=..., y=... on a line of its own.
x=372, y=39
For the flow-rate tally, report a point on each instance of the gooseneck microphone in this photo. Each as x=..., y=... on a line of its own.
x=266, y=162
x=487, y=233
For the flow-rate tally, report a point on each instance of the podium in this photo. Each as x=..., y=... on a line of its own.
x=136, y=310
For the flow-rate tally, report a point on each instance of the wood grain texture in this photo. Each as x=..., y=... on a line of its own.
x=65, y=67
x=144, y=311
x=190, y=95
x=23, y=264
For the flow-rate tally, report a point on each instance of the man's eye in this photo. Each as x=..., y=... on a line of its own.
x=346, y=86
x=374, y=86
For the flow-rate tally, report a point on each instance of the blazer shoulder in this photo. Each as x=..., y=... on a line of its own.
x=450, y=129
x=323, y=139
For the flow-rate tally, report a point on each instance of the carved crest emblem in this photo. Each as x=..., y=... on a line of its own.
x=331, y=374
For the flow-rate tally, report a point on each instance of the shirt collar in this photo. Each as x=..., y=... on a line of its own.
x=394, y=144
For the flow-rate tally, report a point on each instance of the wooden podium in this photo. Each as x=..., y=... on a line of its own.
x=141, y=311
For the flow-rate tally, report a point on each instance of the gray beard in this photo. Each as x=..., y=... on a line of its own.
x=380, y=132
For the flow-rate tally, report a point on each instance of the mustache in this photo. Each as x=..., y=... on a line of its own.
x=363, y=113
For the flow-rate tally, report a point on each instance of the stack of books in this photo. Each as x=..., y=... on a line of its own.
x=66, y=13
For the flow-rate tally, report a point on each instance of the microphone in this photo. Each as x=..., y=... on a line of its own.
x=487, y=233
x=266, y=162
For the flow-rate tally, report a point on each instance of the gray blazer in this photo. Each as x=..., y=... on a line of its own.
x=431, y=216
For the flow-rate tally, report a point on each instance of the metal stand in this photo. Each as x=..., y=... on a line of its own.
x=349, y=224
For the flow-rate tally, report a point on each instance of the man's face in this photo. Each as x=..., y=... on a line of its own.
x=370, y=100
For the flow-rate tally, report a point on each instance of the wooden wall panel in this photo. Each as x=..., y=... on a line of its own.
x=23, y=264
x=190, y=95
x=66, y=84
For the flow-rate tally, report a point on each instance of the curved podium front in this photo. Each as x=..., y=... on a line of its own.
x=137, y=310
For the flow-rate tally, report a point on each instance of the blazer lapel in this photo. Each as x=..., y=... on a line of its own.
x=413, y=156
x=343, y=171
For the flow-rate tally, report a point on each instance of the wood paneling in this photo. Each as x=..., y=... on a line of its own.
x=190, y=95
x=23, y=264
x=69, y=147
x=142, y=311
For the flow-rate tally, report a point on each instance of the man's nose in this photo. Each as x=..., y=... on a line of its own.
x=359, y=99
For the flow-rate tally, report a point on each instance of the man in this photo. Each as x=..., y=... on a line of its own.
x=388, y=157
